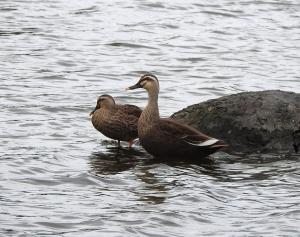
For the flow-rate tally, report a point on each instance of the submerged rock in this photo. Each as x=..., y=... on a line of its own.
x=249, y=122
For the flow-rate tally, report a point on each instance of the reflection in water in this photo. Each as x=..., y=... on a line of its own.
x=154, y=187
x=114, y=160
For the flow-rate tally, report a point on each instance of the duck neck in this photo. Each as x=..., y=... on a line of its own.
x=152, y=106
x=150, y=114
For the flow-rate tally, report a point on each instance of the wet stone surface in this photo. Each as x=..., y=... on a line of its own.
x=250, y=122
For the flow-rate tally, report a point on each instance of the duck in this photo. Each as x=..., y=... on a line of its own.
x=116, y=121
x=166, y=137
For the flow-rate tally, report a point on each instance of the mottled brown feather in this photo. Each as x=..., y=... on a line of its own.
x=119, y=123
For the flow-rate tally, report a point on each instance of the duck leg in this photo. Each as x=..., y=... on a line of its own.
x=119, y=144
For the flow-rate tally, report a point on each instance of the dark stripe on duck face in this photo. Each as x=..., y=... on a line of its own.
x=105, y=97
x=141, y=83
x=148, y=77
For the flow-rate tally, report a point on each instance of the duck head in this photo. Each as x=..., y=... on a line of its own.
x=104, y=101
x=148, y=81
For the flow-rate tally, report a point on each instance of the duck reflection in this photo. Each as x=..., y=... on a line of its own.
x=155, y=177
x=154, y=188
x=114, y=160
x=157, y=186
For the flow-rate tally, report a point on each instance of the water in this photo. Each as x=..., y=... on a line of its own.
x=60, y=177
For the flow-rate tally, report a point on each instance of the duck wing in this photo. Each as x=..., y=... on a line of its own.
x=127, y=115
x=120, y=123
x=188, y=134
x=129, y=110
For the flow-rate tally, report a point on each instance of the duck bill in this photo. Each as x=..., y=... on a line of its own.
x=91, y=113
x=136, y=86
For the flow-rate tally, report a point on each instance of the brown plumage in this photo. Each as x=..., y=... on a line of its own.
x=166, y=137
x=118, y=122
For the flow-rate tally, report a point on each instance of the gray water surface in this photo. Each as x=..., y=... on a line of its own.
x=60, y=177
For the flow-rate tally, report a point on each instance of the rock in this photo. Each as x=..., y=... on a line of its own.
x=249, y=122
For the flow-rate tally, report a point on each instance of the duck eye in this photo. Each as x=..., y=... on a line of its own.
x=143, y=82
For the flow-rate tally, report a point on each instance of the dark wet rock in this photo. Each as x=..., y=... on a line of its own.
x=261, y=121
x=296, y=139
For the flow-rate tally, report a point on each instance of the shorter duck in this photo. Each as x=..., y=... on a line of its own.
x=118, y=122
x=167, y=138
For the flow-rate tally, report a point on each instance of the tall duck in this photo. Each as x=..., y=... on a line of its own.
x=118, y=122
x=166, y=138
